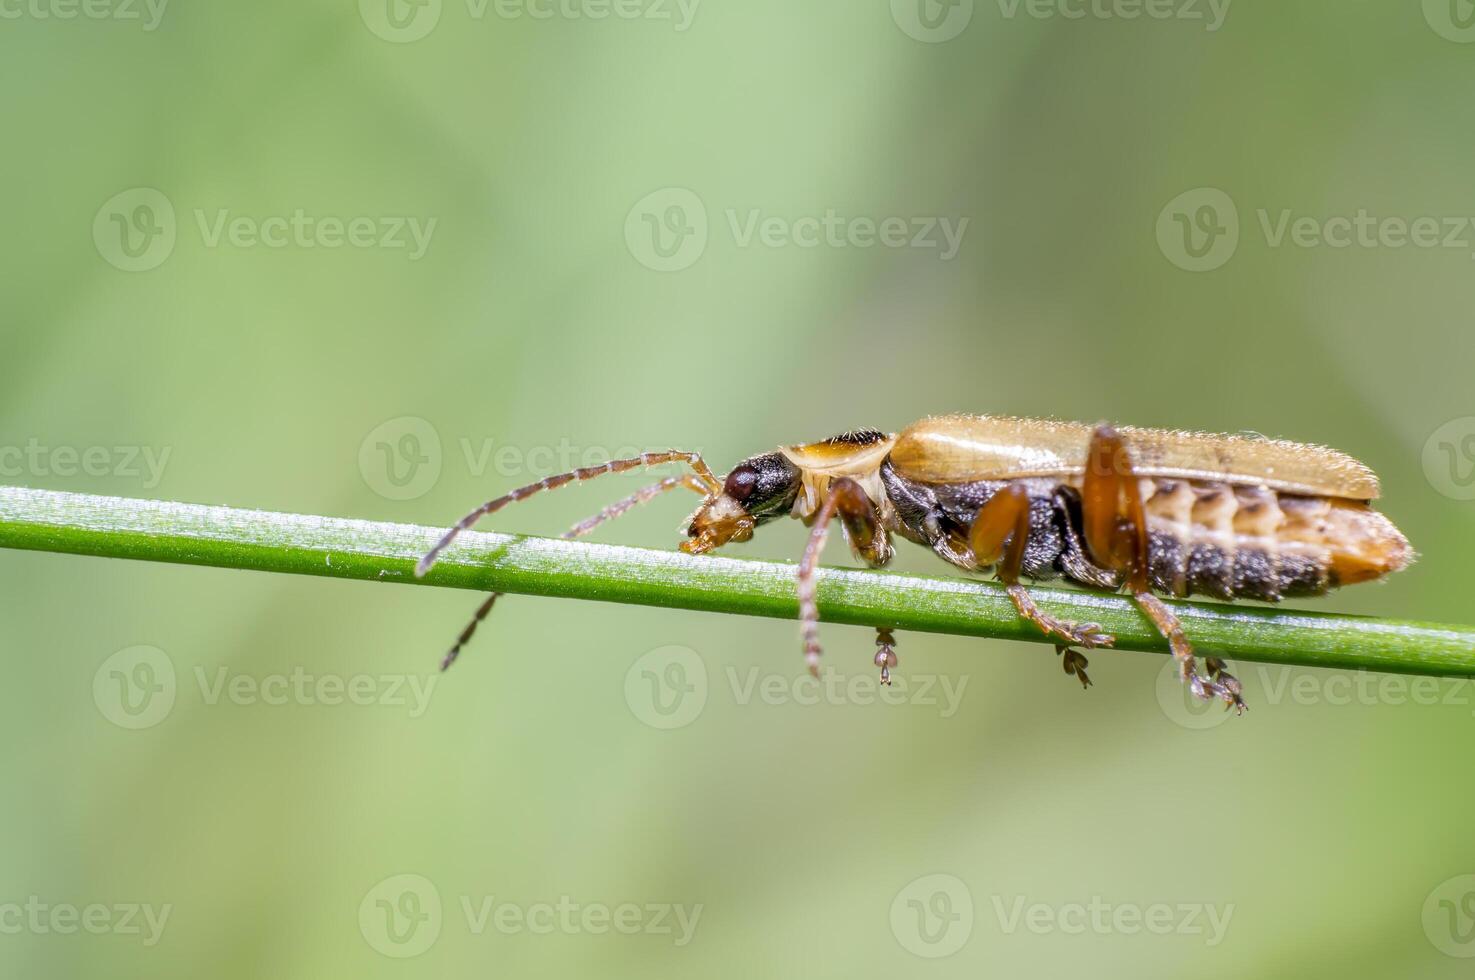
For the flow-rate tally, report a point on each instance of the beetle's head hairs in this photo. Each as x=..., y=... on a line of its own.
x=757, y=490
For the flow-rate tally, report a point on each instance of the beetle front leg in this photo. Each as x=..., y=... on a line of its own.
x=885, y=653
x=847, y=500
x=998, y=536
x=1075, y=664
x=1115, y=528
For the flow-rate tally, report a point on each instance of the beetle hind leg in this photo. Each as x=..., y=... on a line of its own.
x=1219, y=685
x=1115, y=528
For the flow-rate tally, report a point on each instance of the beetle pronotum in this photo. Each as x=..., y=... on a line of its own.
x=1154, y=511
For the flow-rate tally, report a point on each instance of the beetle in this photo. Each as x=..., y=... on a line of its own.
x=1152, y=511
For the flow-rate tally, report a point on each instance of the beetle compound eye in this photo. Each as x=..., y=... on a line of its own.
x=741, y=483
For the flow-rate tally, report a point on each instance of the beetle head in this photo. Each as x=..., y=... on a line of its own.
x=757, y=490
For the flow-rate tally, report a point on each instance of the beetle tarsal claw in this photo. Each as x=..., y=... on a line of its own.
x=1091, y=635
x=1229, y=689
x=1219, y=685
x=885, y=654
x=1075, y=664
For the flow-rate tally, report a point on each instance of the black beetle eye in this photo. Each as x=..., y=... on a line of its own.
x=741, y=483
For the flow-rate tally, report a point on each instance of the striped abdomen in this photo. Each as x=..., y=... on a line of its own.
x=1229, y=541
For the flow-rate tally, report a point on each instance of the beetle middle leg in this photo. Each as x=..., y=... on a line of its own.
x=1115, y=528
x=847, y=500
x=998, y=536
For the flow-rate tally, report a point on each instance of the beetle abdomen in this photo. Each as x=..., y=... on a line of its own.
x=1245, y=542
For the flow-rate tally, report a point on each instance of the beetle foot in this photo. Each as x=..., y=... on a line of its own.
x=1228, y=688
x=1088, y=635
x=1219, y=685
x=885, y=654
x=1075, y=663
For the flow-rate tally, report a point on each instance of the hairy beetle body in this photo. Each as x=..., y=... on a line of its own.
x=1154, y=511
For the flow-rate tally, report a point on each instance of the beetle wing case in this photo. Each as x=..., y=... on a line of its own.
x=965, y=448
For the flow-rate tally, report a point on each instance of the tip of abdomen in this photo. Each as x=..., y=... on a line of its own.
x=1364, y=544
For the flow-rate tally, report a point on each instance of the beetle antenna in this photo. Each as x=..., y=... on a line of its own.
x=578, y=531
x=709, y=482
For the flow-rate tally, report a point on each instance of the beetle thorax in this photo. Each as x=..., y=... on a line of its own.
x=857, y=456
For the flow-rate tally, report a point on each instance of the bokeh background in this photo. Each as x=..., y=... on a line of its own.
x=622, y=207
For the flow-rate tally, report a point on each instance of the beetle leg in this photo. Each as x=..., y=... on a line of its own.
x=885, y=653
x=998, y=536
x=848, y=501
x=1232, y=689
x=1075, y=664
x=580, y=529
x=1115, y=527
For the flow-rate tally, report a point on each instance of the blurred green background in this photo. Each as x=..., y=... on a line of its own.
x=620, y=257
